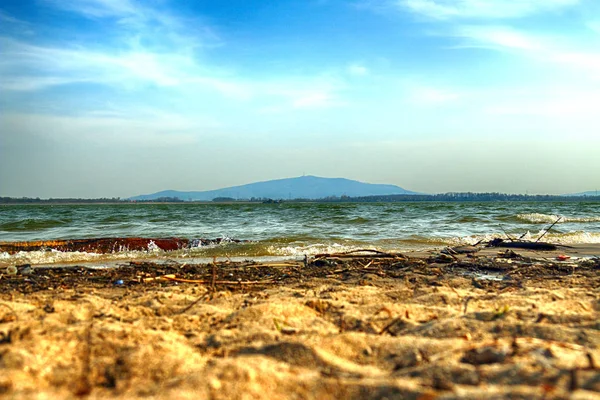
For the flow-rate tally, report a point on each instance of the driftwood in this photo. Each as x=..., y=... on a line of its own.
x=461, y=250
x=520, y=244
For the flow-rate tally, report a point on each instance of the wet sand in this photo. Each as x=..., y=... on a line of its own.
x=496, y=324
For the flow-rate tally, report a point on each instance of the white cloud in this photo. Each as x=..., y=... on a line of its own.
x=49, y=66
x=26, y=84
x=356, y=69
x=489, y=9
x=561, y=51
x=168, y=60
x=498, y=37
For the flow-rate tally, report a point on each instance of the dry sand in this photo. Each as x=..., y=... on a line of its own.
x=376, y=326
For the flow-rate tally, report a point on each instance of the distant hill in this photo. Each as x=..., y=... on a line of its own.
x=590, y=193
x=303, y=187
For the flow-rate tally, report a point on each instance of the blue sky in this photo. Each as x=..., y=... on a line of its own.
x=122, y=97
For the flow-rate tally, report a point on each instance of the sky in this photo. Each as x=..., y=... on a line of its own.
x=115, y=98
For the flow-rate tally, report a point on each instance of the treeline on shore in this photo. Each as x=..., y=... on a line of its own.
x=444, y=197
x=37, y=200
x=464, y=196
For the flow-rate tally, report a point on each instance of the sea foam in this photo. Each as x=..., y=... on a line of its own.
x=551, y=218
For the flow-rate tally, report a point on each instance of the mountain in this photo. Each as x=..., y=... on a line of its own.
x=303, y=187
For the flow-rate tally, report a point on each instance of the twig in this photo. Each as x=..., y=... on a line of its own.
x=348, y=253
x=214, y=274
x=198, y=300
x=213, y=282
x=386, y=328
x=507, y=235
x=548, y=230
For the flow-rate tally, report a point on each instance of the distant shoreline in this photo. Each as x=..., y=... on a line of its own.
x=441, y=198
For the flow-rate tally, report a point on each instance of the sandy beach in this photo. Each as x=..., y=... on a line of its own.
x=495, y=324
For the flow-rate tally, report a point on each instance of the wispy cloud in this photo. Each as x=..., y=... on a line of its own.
x=50, y=66
x=568, y=52
x=497, y=37
x=9, y=23
x=4, y=17
x=152, y=49
x=357, y=69
x=489, y=9
x=97, y=8
x=146, y=46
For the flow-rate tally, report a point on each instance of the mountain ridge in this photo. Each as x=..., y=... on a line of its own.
x=302, y=187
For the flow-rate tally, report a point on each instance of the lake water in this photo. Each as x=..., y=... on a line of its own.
x=292, y=229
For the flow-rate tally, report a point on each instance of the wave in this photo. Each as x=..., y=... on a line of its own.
x=574, y=237
x=32, y=224
x=280, y=247
x=551, y=218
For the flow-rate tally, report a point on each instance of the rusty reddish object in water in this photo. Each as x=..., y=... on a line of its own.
x=101, y=245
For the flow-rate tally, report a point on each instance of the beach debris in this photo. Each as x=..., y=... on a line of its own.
x=593, y=262
x=507, y=235
x=24, y=269
x=443, y=258
x=520, y=244
x=509, y=254
x=524, y=244
x=502, y=311
x=548, y=229
x=213, y=282
x=562, y=257
x=321, y=262
x=11, y=270
x=461, y=250
x=358, y=254
x=49, y=308
x=284, y=328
